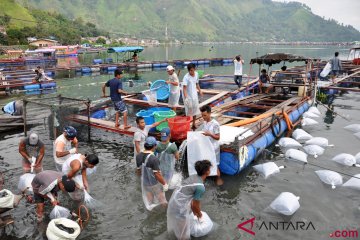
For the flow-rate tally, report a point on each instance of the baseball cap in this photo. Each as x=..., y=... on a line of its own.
x=165, y=132
x=169, y=68
x=150, y=141
x=70, y=132
x=68, y=183
x=33, y=139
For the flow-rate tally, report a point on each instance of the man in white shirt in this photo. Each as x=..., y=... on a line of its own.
x=141, y=134
x=211, y=129
x=238, y=64
x=63, y=146
x=174, y=87
x=190, y=96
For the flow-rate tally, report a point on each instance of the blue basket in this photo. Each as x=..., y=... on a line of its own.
x=147, y=115
x=162, y=89
x=100, y=114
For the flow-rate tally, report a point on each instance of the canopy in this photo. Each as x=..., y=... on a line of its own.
x=135, y=49
x=41, y=50
x=275, y=58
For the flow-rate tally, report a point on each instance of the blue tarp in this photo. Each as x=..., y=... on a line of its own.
x=125, y=49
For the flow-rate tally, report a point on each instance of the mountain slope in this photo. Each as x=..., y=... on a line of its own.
x=206, y=20
x=11, y=8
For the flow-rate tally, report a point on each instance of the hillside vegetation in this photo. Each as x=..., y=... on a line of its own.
x=205, y=20
x=21, y=23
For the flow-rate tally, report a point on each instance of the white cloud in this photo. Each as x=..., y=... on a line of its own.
x=344, y=11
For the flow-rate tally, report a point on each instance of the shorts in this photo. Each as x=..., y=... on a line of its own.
x=27, y=167
x=238, y=79
x=38, y=198
x=120, y=106
x=266, y=85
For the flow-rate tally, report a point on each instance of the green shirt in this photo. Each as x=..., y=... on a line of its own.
x=161, y=147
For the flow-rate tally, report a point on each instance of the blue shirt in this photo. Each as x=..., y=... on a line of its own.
x=114, y=85
x=10, y=107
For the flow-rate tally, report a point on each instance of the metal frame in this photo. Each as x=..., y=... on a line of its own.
x=53, y=106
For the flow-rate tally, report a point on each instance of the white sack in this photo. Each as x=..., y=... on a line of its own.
x=314, y=150
x=286, y=142
x=297, y=155
x=353, y=182
x=314, y=109
x=310, y=115
x=308, y=122
x=345, y=159
x=320, y=141
x=53, y=232
x=330, y=177
x=267, y=169
x=200, y=229
x=6, y=199
x=353, y=128
x=286, y=203
x=301, y=135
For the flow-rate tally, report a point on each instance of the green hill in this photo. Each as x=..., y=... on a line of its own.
x=21, y=23
x=205, y=20
x=16, y=11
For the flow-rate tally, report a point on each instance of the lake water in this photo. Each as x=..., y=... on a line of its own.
x=241, y=198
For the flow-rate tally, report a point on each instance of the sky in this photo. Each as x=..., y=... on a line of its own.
x=343, y=11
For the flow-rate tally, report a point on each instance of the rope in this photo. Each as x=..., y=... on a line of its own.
x=80, y=219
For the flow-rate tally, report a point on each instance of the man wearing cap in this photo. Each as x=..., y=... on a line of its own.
x=167, y=153
x=116, y=89
x=174, y=87
x=63, y=148
x=14, y=108
x=46, y=185
x=32, y=150
x=153, y=183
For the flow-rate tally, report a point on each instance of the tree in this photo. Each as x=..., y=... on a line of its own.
x=101, y=40
x=3, y=39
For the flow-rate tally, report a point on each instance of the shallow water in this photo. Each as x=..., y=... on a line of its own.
x=242, y=197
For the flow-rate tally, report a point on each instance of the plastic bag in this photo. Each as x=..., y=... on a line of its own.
x=308, y=122
x=301, y=135
x=267, y=169
x=297, y=155
x=353, y=128
x=286, y=203
x=314, y=110
x=357, y=158
x=314, y=150
x=200, y=229
x=345, y=159
x=62, y=228
x=175, y=180
x=6, y=199
x=90, y=202
x=310, y=115
x=353, y=182
x=60, y=212
x=286, y=142
x=320, y=141
x=25, y=182
x=330, y=177
x=151, y=96
x=357, y=135
x=90, y=171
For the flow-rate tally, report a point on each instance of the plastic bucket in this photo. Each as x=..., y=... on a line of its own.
x=162, y=89
x=158, y=116
x=151, y=96
x=147, y=115
x=48, y=85
x=179, y=126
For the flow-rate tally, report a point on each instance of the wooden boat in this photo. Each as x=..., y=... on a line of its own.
x=41, y=55
x=65, y=51
x=354, y=55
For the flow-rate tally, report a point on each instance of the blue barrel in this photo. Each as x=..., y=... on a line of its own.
x=109, y=60
x=97, y=61
x=49, y=73
x=178, y=63
x=78, y=70
x=164, y=64
x=156, y=65
x=32, y=87
x=48, y=85
x=194, y=62
x=85, y=70
x=206, y=61
x=229, y=163
x=99, y=114
x=201, y=62
x=112, y=68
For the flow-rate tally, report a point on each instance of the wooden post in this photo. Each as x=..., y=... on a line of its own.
x=88, y=115
x=54, y=120
x=24, y=116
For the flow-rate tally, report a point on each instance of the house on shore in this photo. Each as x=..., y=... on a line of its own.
x=43, y=42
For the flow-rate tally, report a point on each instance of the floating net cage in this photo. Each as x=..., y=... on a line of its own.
x=52, y=114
